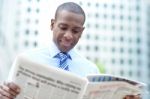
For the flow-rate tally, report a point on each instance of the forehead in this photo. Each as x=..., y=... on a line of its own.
x=70, y=18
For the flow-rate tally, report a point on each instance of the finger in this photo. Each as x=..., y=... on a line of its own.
x=133, y=97
x=126, y=97
x=13, y=87
x=9, y=90
x=137, y=97
x=3, y=97
x=5, y=94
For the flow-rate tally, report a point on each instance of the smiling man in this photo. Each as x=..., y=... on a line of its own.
x=67, y=28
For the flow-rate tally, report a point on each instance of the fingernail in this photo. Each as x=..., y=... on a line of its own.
x=18, y=90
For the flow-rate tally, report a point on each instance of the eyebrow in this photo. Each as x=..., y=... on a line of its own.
x=76, y=27
x=62, y=24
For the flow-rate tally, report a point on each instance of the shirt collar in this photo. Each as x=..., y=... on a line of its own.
x=54, y=50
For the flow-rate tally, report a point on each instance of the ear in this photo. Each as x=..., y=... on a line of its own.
x=52, y=24
x=82, y=31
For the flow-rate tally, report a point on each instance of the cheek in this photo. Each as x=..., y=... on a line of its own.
x=76, y=38
x=55, y=33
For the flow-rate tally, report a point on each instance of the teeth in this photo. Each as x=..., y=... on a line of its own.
x=66, y=43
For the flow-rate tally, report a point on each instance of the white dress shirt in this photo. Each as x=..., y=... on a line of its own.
x=77, y=64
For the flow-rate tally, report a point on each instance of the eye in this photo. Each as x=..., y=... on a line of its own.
x=75, y=31
x=63, y=28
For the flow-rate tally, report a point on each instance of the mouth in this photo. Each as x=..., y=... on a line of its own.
x=66, y=43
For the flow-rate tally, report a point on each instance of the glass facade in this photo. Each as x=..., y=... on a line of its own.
x=116, y=37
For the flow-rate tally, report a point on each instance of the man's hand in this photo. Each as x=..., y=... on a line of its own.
x=132, y=97
x=9, y=90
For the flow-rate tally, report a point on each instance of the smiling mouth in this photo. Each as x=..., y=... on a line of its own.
x=66, y=43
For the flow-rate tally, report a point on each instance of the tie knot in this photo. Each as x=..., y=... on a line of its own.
x=62, y=56
x=63, y=60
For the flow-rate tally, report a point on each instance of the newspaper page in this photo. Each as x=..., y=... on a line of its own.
x=111, y=87
x=38, y=81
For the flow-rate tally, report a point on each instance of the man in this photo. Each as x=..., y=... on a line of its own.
x=67, y=29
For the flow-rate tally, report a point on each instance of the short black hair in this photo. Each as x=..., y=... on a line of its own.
x=71, y=7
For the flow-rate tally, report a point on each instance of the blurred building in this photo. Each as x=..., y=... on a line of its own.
x=117, y=33
x=118, y=36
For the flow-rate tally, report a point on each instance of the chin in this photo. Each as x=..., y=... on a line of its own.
x=65, y=50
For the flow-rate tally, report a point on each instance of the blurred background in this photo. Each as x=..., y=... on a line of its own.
x=116, y=38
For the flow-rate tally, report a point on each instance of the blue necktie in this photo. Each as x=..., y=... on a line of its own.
x=63, y=60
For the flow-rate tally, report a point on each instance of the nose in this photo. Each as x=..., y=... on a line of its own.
x=68, y=35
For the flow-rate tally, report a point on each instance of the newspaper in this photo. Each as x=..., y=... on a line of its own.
x=104, y=86
x=38, y=81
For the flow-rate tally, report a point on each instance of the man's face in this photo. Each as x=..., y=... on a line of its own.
x=67, y=29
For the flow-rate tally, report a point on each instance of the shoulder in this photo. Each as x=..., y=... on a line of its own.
x=86, y=65
x=78, y=57
x=91, y=66
x=36, y=53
